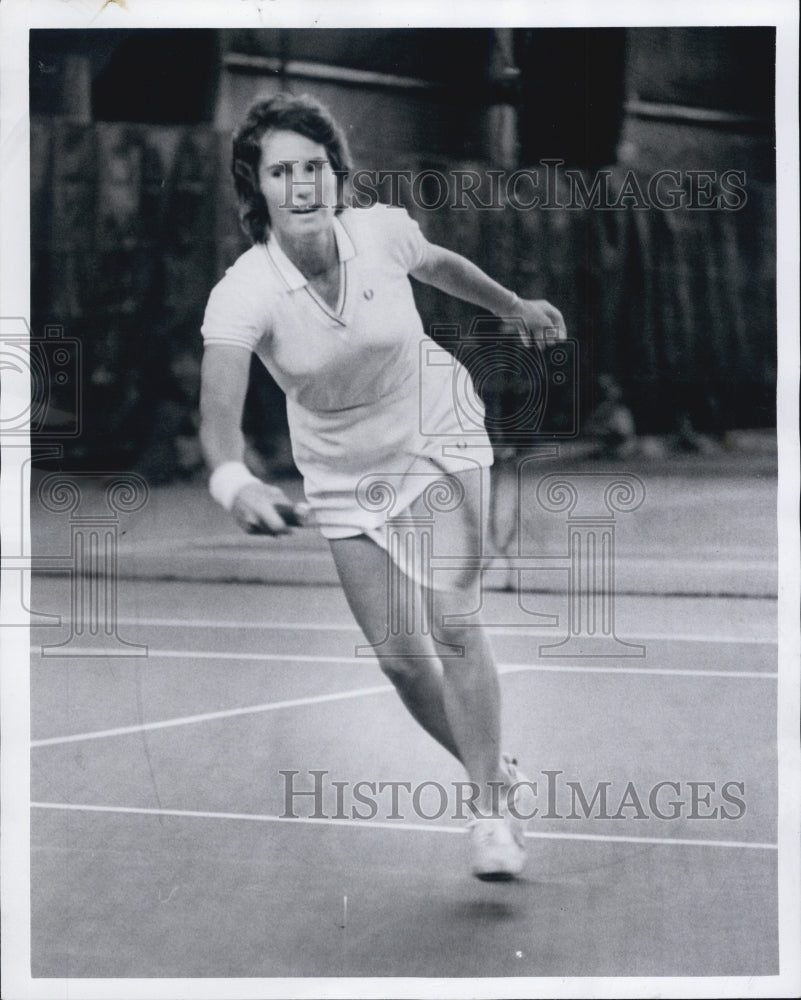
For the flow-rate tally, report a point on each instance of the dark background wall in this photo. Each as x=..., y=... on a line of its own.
x=133, y=218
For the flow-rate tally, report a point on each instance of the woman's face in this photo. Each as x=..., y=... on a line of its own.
x=298, y=184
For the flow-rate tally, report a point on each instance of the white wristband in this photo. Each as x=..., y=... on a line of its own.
x=227, y=480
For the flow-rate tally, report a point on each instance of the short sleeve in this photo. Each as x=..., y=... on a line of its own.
x=405, y=241
x=235, y=313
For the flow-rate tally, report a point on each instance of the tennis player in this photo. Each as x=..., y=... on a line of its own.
x=323, y=299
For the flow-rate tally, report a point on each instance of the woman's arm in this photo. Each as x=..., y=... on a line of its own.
x=223, y=385
x=257, y=507
x=456, y=275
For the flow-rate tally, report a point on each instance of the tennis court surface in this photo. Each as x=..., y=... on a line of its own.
x=167, y=842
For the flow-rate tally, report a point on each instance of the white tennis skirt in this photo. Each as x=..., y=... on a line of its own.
x=363, y=467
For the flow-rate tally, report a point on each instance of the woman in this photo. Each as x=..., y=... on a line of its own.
x=324, y=300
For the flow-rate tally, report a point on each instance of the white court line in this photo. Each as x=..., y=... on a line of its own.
x=228, y=713
x=496, y=629
x=497, y=562
x=402, y=826
x=504, y=669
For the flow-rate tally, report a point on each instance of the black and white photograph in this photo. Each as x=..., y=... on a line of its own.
x=400, y=476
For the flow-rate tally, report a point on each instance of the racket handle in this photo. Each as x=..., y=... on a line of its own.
x=303, y=513
x=298, y=515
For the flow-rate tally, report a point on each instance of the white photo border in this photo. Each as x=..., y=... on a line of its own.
x=16, y=18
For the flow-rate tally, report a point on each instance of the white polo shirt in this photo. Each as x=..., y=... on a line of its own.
x=363, y=401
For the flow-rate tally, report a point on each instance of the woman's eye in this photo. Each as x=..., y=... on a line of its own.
x=277, y=171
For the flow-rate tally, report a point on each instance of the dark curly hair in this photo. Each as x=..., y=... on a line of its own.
x=301, y=114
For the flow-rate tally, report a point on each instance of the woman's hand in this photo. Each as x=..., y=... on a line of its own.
x=261, y=509
x=543, y=321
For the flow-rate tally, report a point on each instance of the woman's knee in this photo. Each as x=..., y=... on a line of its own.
x=473, y=642
x=404, y=668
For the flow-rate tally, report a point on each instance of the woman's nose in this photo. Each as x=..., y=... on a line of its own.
x=302, y=188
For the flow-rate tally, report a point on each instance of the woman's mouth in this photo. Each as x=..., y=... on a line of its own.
x=305, y=211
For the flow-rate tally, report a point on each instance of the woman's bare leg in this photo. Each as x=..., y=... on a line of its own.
x=472, y=700
x=457, y=698
x=410, y=661
x=471, y=686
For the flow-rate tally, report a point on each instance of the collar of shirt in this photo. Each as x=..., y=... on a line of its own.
x=291, y=275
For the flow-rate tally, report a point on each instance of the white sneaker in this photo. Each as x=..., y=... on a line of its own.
x=497, y=856
x=512, y=775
